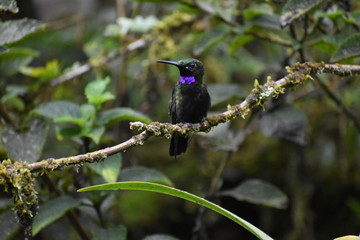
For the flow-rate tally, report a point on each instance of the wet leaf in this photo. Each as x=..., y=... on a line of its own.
x=144, y=174
x=294, y=9
x=109, y=169
x=258, y=192
x=52, y=210
x=14, y=30
x=285, y=122
x=25, y=146
x=349, y=48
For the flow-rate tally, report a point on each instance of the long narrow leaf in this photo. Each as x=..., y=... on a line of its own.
x=153, y=187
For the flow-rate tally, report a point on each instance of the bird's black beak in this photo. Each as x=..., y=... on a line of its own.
x=169, y=62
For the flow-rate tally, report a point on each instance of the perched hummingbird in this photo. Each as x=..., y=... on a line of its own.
x=190, y=100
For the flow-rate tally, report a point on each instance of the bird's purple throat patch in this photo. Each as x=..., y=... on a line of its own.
x=187, y=80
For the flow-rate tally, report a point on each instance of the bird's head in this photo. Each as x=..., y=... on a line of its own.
x=191, y=70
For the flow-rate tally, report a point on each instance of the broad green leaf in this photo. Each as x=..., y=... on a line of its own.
x=114, y=115
x=221, y=93
x=349, y=48
x=3, y=50
x=25, y=146
x=109, y=169
x=96, y=92
x=160, y=237
x=9, y=224
x=117, y=233
x=56, y=109
x=144, y=174
x=153, y=187
x=52, y=210
x=294, y=9
x=8, y=6
x=14, y=59
x=12, y=96
x=14, y=30
x=285, y=122
x=258, y=192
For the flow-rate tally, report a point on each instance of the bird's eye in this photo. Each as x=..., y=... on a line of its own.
x=192, y=65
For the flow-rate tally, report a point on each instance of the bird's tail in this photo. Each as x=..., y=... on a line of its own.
x=178, y=144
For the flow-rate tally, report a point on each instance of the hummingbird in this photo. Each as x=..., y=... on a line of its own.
x=190, y=100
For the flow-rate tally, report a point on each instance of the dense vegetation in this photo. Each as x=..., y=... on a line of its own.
x=74, y=74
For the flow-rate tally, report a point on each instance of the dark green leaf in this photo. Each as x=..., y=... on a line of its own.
x=224, y=92
x=224, y=9
x=258, y=192
x=145, y=175
x=56, y=109
x=294, y=9
x=25, y=146
x=257, y=10
x=160, y=237
x=109, y=169
x=239, y=41
x=349, y=48
x=53, y=210
x=14, y=30
x=115, y=115
x=117, y=233
x=8, y=6
x=9, y=224
x=286, y=122
x=96, y=133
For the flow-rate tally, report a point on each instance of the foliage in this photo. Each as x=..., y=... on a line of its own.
x=69, y=85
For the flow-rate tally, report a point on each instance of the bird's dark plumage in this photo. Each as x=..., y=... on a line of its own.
x=190, y=100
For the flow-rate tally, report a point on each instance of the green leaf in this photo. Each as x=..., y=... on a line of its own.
x=153, y=187
x=144, y=174
x=15, y=58
x=349, y=48
x=96, y=92
x=96, y=134
x=224, y=9
x=14, y=30
x=208, y=40
x=239, y=41
x=257, y=10
x=114, y=115
x=117, y=233
x=294, y=9
x=258, y=192
x=53, y=210
x=9, y=224
x=221, y=93
x=160, y=237
x=8, y=6
x=56, y=109
x=285, y=122
x=25, y=146
x=109, y=169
